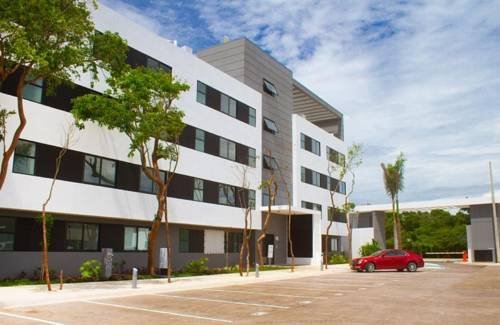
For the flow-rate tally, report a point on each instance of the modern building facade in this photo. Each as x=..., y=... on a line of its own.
x=301, y=132
x=244, y=110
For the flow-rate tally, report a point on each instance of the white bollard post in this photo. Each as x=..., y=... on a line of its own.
x=134, y=278
x=256, y=270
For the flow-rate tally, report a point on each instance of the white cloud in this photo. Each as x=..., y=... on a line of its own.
x=419, y=77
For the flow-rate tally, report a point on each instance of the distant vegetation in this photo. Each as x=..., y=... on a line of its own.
x=435, y=231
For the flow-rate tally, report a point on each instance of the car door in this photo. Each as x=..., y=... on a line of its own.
x=389, y=260
x=400, y=259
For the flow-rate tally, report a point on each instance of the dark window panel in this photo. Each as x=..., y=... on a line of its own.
x=187, y=137
x=72, y=166
x=242, y=112
x=46, y=160
x=323, y=181
x=57, y=237
x=210, y=192
x=213, y=98
x=241, y=154
x=9, y=86
x=28, y=235
x=63, y=94
x=212, y=144
x=196, y=241
x=127, y=176
x=181, y=187
x=308, y=176
x=111, y=236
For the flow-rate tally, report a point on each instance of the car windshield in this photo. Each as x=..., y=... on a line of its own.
x=377, y=253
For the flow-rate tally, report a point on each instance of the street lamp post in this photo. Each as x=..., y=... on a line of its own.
x=495, y=221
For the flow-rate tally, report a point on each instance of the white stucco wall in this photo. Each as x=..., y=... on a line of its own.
x=46, y=125
x=301, y=157
x=360, y=237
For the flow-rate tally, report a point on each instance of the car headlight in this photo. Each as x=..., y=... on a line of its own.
x=359, y=261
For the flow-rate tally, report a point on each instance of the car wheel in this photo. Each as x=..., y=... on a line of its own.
x=412, y=267
x=370, y=267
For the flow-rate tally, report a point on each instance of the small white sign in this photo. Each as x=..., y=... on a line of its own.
x=163, y=259
x=270, y=251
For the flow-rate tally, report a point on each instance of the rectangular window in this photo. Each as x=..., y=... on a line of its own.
x=135, y=238
x=227, y=105
x=303, y=174
x=201, y=93
x=251, y=116
x=7, y=231
x=270, y=163
x=191, y=241
x=251, y=199
x=269, y=88
x=311, y=206
x=309, y=144
x=265, y=198
x=226, y=195
x=198, y=190
x=199, y=141
x=316, y=178
x=270, y=126
x=147, y=185
x=227, y=149
x=234, y=241
x=99, y=171
x=33, y=91
x=155, y=64
x=24, y=158
x=335, y=156
x=82, y=236
x=251, y=157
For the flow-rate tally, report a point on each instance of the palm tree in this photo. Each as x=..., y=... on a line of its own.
x=394, y=183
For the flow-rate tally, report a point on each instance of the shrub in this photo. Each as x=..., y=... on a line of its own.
x=197, y=266
x=369, y=248
x=337, y=258
x=90, y=270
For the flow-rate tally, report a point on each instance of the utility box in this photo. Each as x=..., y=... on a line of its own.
x=107, y=262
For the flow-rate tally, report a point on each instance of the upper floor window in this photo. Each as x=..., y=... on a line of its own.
x=147, y=185
x=270, y=163
x=227, y=149
x=82, y=236
x=201, y=93
x=7, y=232
x=198, y=190
x=155, y=64
x=24, y=157
x=199, y=141
x=335, y=156
x=265, y=198
x=99, y=171
x=251, y=199
x=316, y=178
x=251, y=157
x=269, y=88
x=309, y=144
x=227, y=105
x=311, y=206
x=226, y=194
x=251, y=116
x=270, y=126
x=135, y=238
x=33, y=91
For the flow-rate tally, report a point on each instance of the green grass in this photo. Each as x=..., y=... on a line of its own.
x=19, y=282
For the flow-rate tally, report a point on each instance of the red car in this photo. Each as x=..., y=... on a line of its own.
x=388, y=259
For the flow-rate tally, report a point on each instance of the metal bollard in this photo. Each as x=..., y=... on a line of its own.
x=134, y=278
x=256, y=270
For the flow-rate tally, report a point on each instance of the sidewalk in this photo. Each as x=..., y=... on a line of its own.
x=38, y=295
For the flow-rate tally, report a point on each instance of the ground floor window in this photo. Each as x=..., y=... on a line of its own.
x=233, y=242
x=135, y=239
x=82, y=236
x=191, y=241
x=7, y=230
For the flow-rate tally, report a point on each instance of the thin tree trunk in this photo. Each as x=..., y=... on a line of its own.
x=398, y=229
x=394, y=226
x=325, y=254
x=45, y=252
x=7, y=155
x=169, y=244
x=153, y=236
x=290, y=243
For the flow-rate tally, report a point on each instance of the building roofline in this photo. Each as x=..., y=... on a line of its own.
x=317, y=98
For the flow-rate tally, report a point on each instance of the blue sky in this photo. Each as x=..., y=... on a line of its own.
x=422, y=77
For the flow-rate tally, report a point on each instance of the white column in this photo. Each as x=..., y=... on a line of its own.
x=470, y=249
x=316, y=218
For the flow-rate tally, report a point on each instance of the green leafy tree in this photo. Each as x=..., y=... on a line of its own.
x=345, y=166
x=394, y=183
x=140, y=104
x=52, y=41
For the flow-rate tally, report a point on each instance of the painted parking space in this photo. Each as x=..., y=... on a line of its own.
x=304, y=299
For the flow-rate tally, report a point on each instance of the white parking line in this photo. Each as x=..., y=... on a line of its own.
x=265, y=293
x=30, y=318
x=158, y=311
x=302, y=288
x=342, y=284
x=221, y=301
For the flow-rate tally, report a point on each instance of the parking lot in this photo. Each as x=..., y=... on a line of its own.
x=456, y=293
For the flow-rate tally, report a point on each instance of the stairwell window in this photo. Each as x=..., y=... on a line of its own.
x=251, y=116
x=270, y=126
x=252, y=157
x=251, y=199
x=24, y=158
x=269, y=88
x=270, y=163
x=227, y=105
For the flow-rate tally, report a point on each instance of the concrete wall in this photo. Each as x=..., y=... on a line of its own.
x=379, y=228
x=245, y=61
x=360, y=237
x=481, y=233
